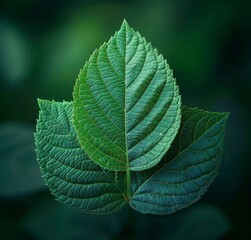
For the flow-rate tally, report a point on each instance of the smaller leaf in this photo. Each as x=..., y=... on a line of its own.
x=187, y=169
x=71, y=176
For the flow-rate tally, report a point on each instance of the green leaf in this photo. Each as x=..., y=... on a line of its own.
x=19, y=173
x=187, y=169
x=112, y=145
x=126, y=104
x=180, y=179
x=71, y=176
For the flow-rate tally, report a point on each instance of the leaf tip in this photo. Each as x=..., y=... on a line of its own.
x=43, y=102
x=125, y=24
x=225, y=116
x=40, y=102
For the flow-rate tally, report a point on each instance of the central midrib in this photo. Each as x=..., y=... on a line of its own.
x=128, y=173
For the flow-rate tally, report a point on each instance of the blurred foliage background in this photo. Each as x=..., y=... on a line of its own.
x=43, y=45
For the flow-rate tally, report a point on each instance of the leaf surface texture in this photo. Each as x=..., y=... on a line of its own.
x=126, y=104
x=71, y=176
x=125, y=138
x=187, y=169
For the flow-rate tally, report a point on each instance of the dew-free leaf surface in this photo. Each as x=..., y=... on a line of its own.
x=179, y=180
x=126, y=104
x=125, y=138
x=187, y=169
x=70, y=175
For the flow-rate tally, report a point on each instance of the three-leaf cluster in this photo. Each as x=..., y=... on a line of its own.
x=125, y=137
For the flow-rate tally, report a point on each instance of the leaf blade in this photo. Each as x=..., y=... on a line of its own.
x=70, y=175
x=176, y=184
x=130, y=102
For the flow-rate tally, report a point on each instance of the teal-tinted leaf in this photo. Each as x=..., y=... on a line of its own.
x=126, y=104
x=19, y=173
x=71, y=176
x=188, y=168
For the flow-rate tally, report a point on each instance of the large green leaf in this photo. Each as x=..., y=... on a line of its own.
x=188, y=168
x=180, y=179
x=70, y=175
x=126, y=104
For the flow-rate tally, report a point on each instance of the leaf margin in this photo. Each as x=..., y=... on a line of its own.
x=224, y=118
x=47, y=175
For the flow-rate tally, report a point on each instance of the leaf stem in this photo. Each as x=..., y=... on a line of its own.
x=128, y=184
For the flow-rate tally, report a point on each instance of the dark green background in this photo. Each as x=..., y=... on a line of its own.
x=43, y=45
